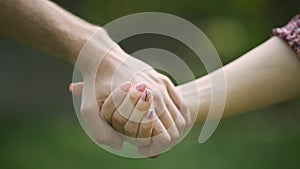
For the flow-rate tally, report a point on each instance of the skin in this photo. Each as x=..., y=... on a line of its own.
x=45, y=26
x=266, y=75
x=139, y=128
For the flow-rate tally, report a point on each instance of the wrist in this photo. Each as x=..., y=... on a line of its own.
x=197, y=96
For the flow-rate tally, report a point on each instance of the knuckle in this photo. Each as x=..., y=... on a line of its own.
x=165, y=139
x=146, y=127
x=130, y=129
x=174, y=134
x=165, y=79
x=181, y=123
x=188, y=121
x=158, y=95
x=117, y=118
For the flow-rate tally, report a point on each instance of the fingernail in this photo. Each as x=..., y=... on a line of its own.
x=149, y=114
x=71, y=87
x=125, y=87
x=141, y=87
x=146, y=95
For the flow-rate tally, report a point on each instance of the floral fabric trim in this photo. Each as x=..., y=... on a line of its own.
x=290, y=33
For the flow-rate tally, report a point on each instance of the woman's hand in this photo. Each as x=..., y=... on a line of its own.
x=129, y=110
x=132, y=105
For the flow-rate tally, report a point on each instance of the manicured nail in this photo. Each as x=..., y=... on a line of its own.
x=146, y=95
x=141, y=87
x=125, y=87
x=149, y=114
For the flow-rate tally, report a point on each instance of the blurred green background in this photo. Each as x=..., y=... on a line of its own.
x=39, y=128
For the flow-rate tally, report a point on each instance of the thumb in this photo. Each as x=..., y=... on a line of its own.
x=76, y=88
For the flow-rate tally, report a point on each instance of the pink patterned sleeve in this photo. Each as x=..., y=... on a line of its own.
x=290, y=33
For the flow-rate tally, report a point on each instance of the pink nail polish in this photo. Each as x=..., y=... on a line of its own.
x=146, y=95
x=141, y=87
x=125, y=86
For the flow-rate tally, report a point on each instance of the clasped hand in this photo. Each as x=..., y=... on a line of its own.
x=134, y=102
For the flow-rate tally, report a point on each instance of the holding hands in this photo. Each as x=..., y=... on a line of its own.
x=147, y=112
x=123, y=98
x=131, y=113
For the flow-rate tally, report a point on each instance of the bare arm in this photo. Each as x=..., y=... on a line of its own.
x=266, y=75
x=46, y=26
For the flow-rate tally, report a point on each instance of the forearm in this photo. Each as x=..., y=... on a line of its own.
x=46, y=26
x=264, y=76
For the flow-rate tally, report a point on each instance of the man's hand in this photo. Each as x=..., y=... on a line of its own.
x=48, y=27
